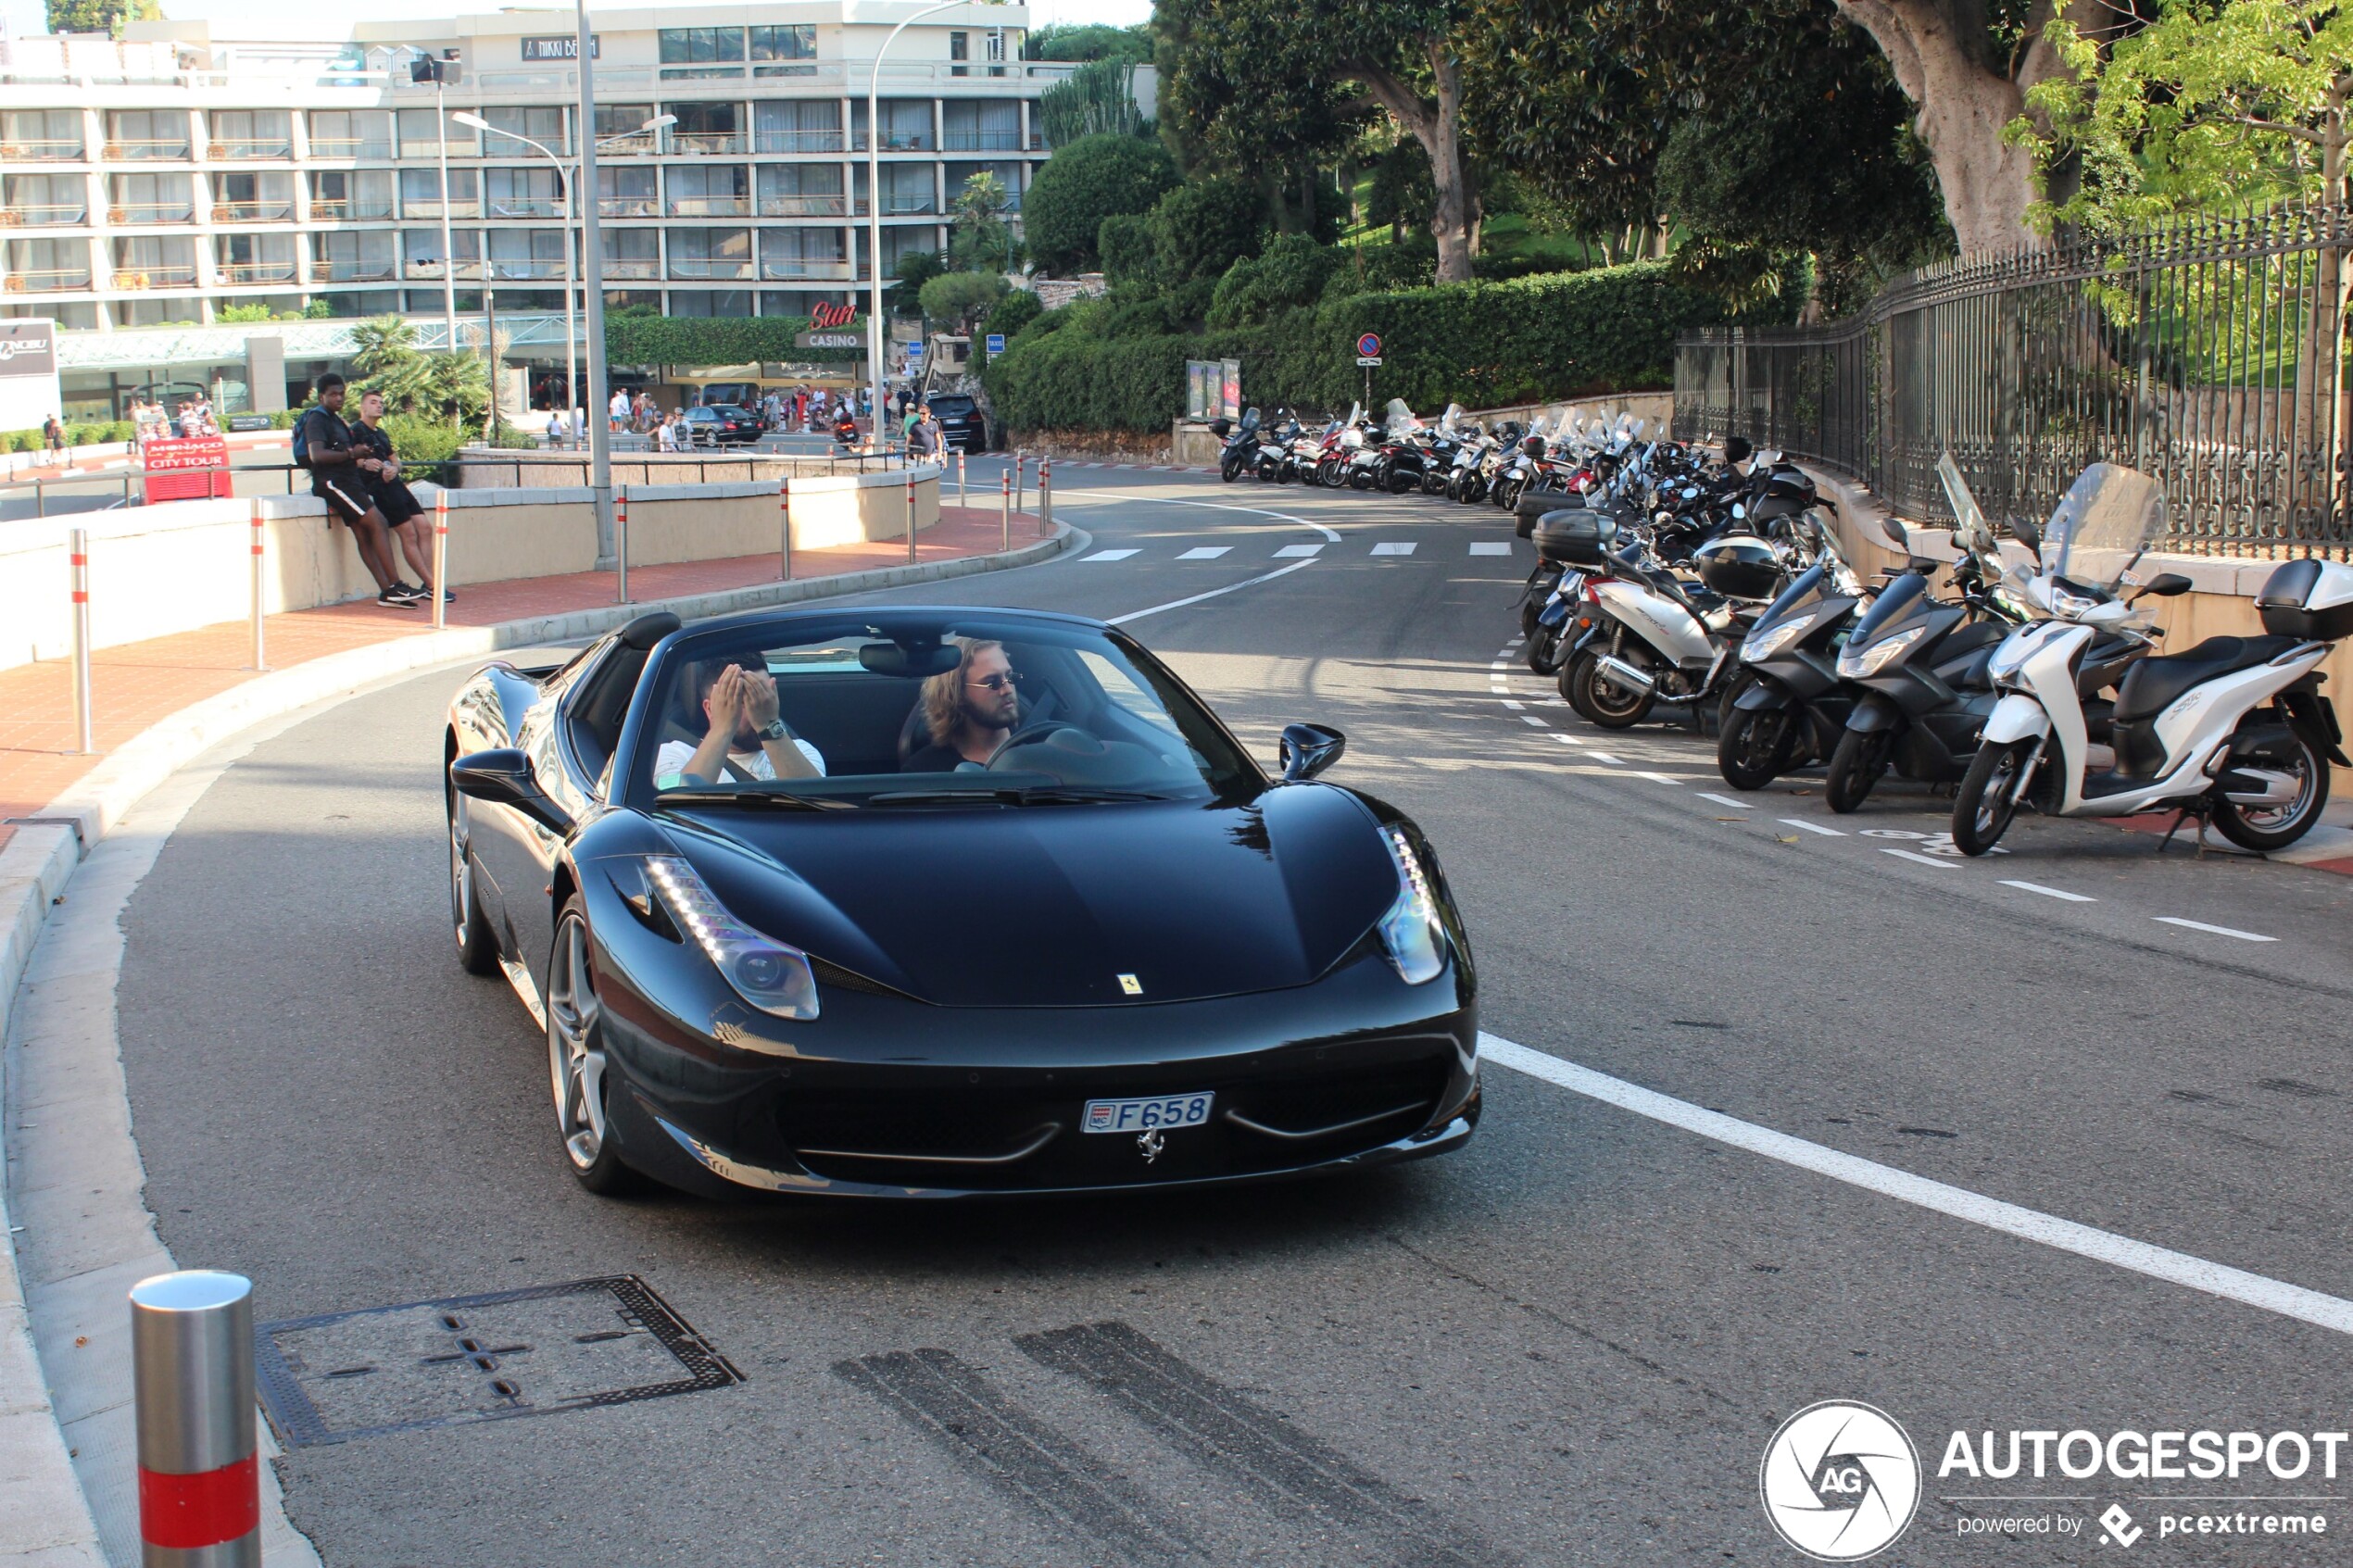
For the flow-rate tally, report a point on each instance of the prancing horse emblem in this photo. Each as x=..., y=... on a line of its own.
x=1152, y=1143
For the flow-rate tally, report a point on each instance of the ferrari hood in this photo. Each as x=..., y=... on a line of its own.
x=1062, y=906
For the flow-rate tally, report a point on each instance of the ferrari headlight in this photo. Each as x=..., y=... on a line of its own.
x=773, y=976
x=1411, y=930
x=1772, y=640
x=1869, y=659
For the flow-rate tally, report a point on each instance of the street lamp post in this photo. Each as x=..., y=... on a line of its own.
x=567, y=179
x=435, y=69
x=873, y=212
x=592, y=258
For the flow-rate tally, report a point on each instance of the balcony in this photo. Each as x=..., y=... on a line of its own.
x=895, y=141
x=710, y=206
x=147, y=149
x=49, y=215
x=642, y=143
x=259, y=272
x=707, y=144
x=804, y=207
x=901, y=207
x=706, y=269
x=430, y=272
x=525, y=207
x=792, y=267
x=430, y=207
x=981, y=140
x=523, y=269
x=136, y=213
x=154, y=277
x=57, y=280
x=253, y=150
x=628, y=207
x=363, y=271
x=58, y=150
x=797, y=141
x=350, y=210
x=278, y=211
x=632, y=266
x=351, y=148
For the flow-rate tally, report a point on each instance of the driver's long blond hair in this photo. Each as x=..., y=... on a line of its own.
x=944, y=693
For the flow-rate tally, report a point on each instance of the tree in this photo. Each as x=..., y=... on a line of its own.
x=1092, y=179
x=1224, y=106
x=915, y=268
x=1125, y=246
x=1266, y=71
x=1201, y=228
x=1402, y=195
x=100, y=16
x=1088, y=41
x=1014, y=312
x=1290, y=272
x=387, y=360
x=963, y=296
x=982, y=240
x=1097, y=99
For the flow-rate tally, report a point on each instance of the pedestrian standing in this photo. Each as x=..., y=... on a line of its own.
x=619, y=410
x=53, y=438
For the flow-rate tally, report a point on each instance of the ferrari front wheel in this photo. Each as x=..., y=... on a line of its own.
x=576, y=1061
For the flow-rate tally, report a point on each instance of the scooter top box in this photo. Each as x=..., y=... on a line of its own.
x=1576, y=534
x=2312, y=599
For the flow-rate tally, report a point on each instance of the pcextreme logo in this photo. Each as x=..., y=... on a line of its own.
x=1840, y=1481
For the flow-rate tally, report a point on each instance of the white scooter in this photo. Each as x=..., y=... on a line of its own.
x=2190, y=730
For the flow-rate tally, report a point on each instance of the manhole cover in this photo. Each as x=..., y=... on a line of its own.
x=478, y=1357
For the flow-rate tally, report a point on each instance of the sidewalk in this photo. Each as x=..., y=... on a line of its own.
x=138, y=684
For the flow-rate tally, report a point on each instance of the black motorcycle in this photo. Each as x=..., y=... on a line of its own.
x=1241, y=450
x=1788, y=708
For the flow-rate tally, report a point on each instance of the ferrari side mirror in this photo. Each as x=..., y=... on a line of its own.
x=1308, y=749
x=503, y=777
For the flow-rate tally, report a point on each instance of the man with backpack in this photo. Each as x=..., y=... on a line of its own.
x=323, y=444
x=399, y=506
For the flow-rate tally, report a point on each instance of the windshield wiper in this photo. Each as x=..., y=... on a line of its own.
x=1042, y=794
x=777, y=800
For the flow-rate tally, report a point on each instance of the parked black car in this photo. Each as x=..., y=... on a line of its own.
x=722, y=424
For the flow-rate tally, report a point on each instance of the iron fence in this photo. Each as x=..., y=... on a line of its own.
x=2208, y=352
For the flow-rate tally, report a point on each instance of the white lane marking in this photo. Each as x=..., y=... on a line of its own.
x=1918, y=860
x=1606, y=756
x=1568, y=740
x=1722, y=800
x=1196, y=598
x=1489, y=547
x=2214, y=930
x=1392, y=549
x=2048, y=892
x=1514, y=706
x=1532, y=718
x=1662, y=778
x=1205, y=552
x=1814, y=827
x=1297, y=550
x=1110, y=555
x=1959, y=1203
x=1330, y=534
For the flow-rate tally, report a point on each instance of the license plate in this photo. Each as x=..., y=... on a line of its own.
x=1143, y=1115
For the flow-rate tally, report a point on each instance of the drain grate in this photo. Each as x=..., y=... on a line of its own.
x=478, y=1357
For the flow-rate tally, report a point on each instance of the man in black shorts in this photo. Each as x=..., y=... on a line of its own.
x=403, y=514
x=337, y=478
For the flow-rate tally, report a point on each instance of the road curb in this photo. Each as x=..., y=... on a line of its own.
x=46, y=1515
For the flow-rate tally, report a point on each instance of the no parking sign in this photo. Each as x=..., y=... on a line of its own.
x=1368, y=349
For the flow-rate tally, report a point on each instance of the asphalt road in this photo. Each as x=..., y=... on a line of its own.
x=1568, y=1344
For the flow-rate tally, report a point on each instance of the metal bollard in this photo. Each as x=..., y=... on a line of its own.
x=963, y=495
x=1045, y=495
x=911, y=514
x=78, y=560
x=192, y=1369
x=1020, y=466
x=783, y=512
x=440, y=558
x=621, y=537
x=1006, y=478
x=258, y=661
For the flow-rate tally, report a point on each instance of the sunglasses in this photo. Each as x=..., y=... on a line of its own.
x=1006, y=682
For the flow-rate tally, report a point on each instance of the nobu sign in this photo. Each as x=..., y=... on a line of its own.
x=28, y=348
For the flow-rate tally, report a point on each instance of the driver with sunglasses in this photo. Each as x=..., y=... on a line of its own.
x=969, y=710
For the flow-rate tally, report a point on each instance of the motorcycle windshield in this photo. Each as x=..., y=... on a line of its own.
x=1898, y=607
x=1250, y=419
x=1399, y=419
x=1450, y=421
x=2106, y=518
x=1799, y=595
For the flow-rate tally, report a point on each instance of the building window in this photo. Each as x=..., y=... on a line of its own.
x=350, y=133
x=689, y=51
x=149, y=198
x=45, y=265
x=420, y=136
x=337, y=196
x=146, y=134
x=996, y=51
x=710, y=253
x=252, y=133
x=545, y=125
x=802, y=253
x=42, y=199
x=428, y=301
x=960, y=50
x=907, y=188
x=522, y=193
x=35, y=135
x=420, y=253
x=801, y=190
x=797, y=125
x=626, y=192
x=632, y=253
x=709, y=189
x=421, y=193
x=710, y=302
x=622, y=120
x=526, y=255
x=361, y=257
x=970, y=126
x=906, y=124
x=360, y=304
x=770, y=47
x=246, y=259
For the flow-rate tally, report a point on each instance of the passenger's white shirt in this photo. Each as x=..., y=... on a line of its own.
x=670, y=762
x=620, y=405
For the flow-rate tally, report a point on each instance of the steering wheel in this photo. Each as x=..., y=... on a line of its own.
x=1081, y=743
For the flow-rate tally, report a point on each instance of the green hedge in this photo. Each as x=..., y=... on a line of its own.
x=1482, y=345
x=712, y=340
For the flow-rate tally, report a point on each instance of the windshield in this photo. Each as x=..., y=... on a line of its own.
x=2107, y=517
x=941, y=707
x=1400, y=418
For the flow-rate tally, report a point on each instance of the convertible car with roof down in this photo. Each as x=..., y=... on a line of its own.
x=927, y=902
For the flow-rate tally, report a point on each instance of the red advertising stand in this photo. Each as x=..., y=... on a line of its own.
x=195, y=469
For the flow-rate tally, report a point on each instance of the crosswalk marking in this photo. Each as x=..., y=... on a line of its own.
x=1109, y=554
x=1392, y=549
x=1299, y=550
x=1206, y=552
x=1489, y=547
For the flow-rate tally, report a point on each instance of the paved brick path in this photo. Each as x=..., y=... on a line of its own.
x=139, y=683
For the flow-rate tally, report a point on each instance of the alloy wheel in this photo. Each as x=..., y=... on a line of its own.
x=575, y=1046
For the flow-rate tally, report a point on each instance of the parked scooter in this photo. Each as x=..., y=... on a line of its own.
x=1239, y=454
x=2234, y=730
x=1663, y=640
x=1787, y=704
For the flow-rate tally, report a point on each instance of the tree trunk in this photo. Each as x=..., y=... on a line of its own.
x=1438, y=128
x=1938, y=52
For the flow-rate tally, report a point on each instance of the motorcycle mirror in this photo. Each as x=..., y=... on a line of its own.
x=1308, y=749
x=2166, y=585
x=1739, y=511
x=1895, y=534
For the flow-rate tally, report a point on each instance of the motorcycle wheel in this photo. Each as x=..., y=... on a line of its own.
x=1982, y=808
x=1403, y=483
x=1754, y=747
x=1603, y=703
x=1358, y=479
x=1545, y=650
x=2265, y=828
x=1229, y=471
x=1858, y=764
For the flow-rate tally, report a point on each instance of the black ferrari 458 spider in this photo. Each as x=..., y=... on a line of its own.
x=929, y=902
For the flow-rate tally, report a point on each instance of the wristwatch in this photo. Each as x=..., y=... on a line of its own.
x=773, y=729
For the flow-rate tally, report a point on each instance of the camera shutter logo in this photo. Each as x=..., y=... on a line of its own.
x=1840, y=1481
